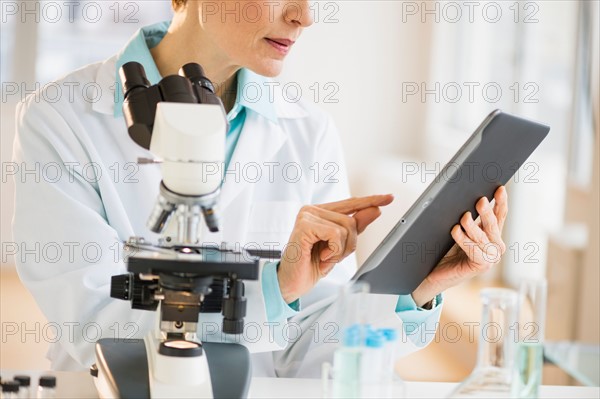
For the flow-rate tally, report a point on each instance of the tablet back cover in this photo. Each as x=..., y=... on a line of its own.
x=489, y=159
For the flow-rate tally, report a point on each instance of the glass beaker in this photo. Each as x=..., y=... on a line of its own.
x=493, y=372
x=529, y=356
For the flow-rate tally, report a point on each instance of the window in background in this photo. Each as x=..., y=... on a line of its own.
x=518, y=56
x=513, y=57
x=7, y=37
x=44, y=40
x=582, y=142
x=90, y=32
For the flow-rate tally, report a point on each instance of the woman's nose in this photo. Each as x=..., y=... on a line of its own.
x=298, y=12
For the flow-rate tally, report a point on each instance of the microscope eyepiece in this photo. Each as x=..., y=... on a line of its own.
x=177, y=89
x=203, y=87
x=133, y=76
x=195, y=73
x=139, y=105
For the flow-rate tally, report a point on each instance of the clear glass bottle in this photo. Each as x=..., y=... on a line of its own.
x=529, y=357
x=493, y=373
x=372, y=365
x=391, y=340
x=394, y=385
x=47, y=387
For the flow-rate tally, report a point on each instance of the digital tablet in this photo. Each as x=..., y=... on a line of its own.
x=488, y=160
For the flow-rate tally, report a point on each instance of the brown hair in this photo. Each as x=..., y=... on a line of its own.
x=178, y=3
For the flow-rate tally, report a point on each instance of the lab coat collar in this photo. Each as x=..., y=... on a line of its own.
x=264, y=139
x=253, y=90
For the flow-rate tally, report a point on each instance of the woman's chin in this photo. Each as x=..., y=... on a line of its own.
x=270, y=68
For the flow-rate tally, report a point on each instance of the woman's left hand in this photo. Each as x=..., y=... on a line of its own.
x=478, y=248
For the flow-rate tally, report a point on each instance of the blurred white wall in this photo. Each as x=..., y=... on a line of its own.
x=366, y=55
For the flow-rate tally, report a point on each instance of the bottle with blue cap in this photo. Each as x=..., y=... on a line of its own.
x=347, y=364
x=363, y=367
x=389, y=353
x=372, y=364
x=392, y=383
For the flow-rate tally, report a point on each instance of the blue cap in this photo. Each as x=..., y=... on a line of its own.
x=352, y=336
x=390, y=334
x=375, y=339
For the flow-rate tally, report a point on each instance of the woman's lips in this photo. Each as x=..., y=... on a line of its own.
x=281, y=45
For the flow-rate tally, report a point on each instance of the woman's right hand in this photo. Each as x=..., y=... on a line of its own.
x=323, y=235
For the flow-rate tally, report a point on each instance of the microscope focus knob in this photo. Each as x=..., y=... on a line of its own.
x=234, y=309
x=130, y=287
x=231, y=326
x=142, y=295
x=120, y=286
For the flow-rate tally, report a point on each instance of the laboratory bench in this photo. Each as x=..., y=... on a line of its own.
x=80, y=385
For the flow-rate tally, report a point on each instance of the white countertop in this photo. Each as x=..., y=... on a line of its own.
x=311, y=388
x=81, y=385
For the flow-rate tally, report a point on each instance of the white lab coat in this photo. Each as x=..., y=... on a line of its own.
x=102, y=198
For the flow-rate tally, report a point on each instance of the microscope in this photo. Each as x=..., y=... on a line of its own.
x=183, y=124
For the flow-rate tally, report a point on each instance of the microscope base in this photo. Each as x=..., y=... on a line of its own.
x=123, y=369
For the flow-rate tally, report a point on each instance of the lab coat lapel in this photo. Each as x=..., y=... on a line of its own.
x=260, y=140
x=105, y=79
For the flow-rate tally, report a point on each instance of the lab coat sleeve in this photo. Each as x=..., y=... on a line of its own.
x=277, y=310
x=68, y=250
x=420, y=325
x=263, y=330
x=325, y=314
x=266, y=316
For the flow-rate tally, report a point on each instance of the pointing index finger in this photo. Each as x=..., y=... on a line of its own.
x=353, y=205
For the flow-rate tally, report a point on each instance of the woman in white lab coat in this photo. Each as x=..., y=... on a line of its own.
x=90, y=196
